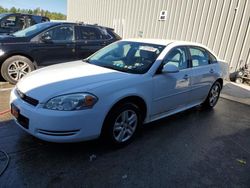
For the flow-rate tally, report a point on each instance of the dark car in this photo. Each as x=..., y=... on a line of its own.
x=49, y=43
x=12, y=22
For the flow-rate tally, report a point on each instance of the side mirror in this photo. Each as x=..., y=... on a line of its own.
x=170, y=68
x=46, y=38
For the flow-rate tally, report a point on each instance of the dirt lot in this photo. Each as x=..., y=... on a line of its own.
x=195, y=148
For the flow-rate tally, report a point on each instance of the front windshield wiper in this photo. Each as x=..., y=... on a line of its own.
x=117, y=68
x=9, y=34
x=86, y=60
x=102, y=65
x=107, y=66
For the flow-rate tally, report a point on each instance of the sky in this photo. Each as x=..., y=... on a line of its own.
x=50, y=5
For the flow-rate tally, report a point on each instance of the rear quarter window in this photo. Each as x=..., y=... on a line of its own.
x=212, y=58
x=113, y=34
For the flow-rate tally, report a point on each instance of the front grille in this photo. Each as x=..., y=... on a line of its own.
x=23, y=121
x=58, y=133
x=27, y=99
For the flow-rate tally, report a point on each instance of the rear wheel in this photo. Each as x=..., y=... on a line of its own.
x=213, y=95
x=16, y=67
x=122, y=123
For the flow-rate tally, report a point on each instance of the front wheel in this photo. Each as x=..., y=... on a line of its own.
x=213, y=95
x=122, y=124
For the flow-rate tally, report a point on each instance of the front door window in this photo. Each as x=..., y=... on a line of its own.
x=62, y=34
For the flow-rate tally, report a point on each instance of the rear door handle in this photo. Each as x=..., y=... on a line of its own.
x=103, y=43
x=185, y=77
x=70, y=45
x=211, y=71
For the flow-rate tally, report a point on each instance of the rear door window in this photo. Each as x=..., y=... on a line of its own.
x=29, y=21
x=61, y=34
x=24, y=21
x=199, y=56
x=89, y=33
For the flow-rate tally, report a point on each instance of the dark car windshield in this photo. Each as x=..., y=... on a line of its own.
x=3, y=15
x=33, y=29
x=127, y=56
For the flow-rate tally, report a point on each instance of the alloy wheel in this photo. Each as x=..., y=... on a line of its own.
x=125, y=125
x=18, y=69
x=214, y=94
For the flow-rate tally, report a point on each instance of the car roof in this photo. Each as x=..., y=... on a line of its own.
x=57, y=23
x=49, y=23
x=83, y=24
x=150, y=41
x=18, y=13
x=24, y=14
x=167, y=42
x=164, y=42
x=4, y=14
x=7, y=13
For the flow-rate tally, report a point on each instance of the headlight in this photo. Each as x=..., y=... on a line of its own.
x=1, y=52
x=70, y=102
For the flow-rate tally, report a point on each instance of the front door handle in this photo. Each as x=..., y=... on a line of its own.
x=211, y=71
x=184, y=79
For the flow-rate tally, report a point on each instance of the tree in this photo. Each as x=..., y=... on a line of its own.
x=30, y=11
x=1, y=9
x=37, y=11
x=13, y=10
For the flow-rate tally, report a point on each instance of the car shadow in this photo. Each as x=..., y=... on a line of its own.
x=172, y=142
x=176, y=123
x=1, y=79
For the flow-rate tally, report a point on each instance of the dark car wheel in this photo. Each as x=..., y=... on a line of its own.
x=213, y=95
x=122, y=124
x=16, y=67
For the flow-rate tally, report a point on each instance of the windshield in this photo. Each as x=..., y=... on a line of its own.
x=3, y=15
x=126, y=56
x=33, y=29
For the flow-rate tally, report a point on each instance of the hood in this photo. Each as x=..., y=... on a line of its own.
x=5, y=38
x=65, y=78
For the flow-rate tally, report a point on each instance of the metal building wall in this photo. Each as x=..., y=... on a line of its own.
x=222, y=25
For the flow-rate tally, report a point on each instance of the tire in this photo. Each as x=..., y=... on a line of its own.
x=118, y=129
x=15, y=67
x=213, y=95
x=239, y=80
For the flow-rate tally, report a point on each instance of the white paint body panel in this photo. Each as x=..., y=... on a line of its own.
x=164, y=94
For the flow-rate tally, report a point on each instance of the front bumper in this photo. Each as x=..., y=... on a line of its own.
x=57, y=126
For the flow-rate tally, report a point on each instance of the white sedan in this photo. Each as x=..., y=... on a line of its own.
x=116, y=90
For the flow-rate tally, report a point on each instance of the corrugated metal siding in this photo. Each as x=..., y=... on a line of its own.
x=222, y=25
